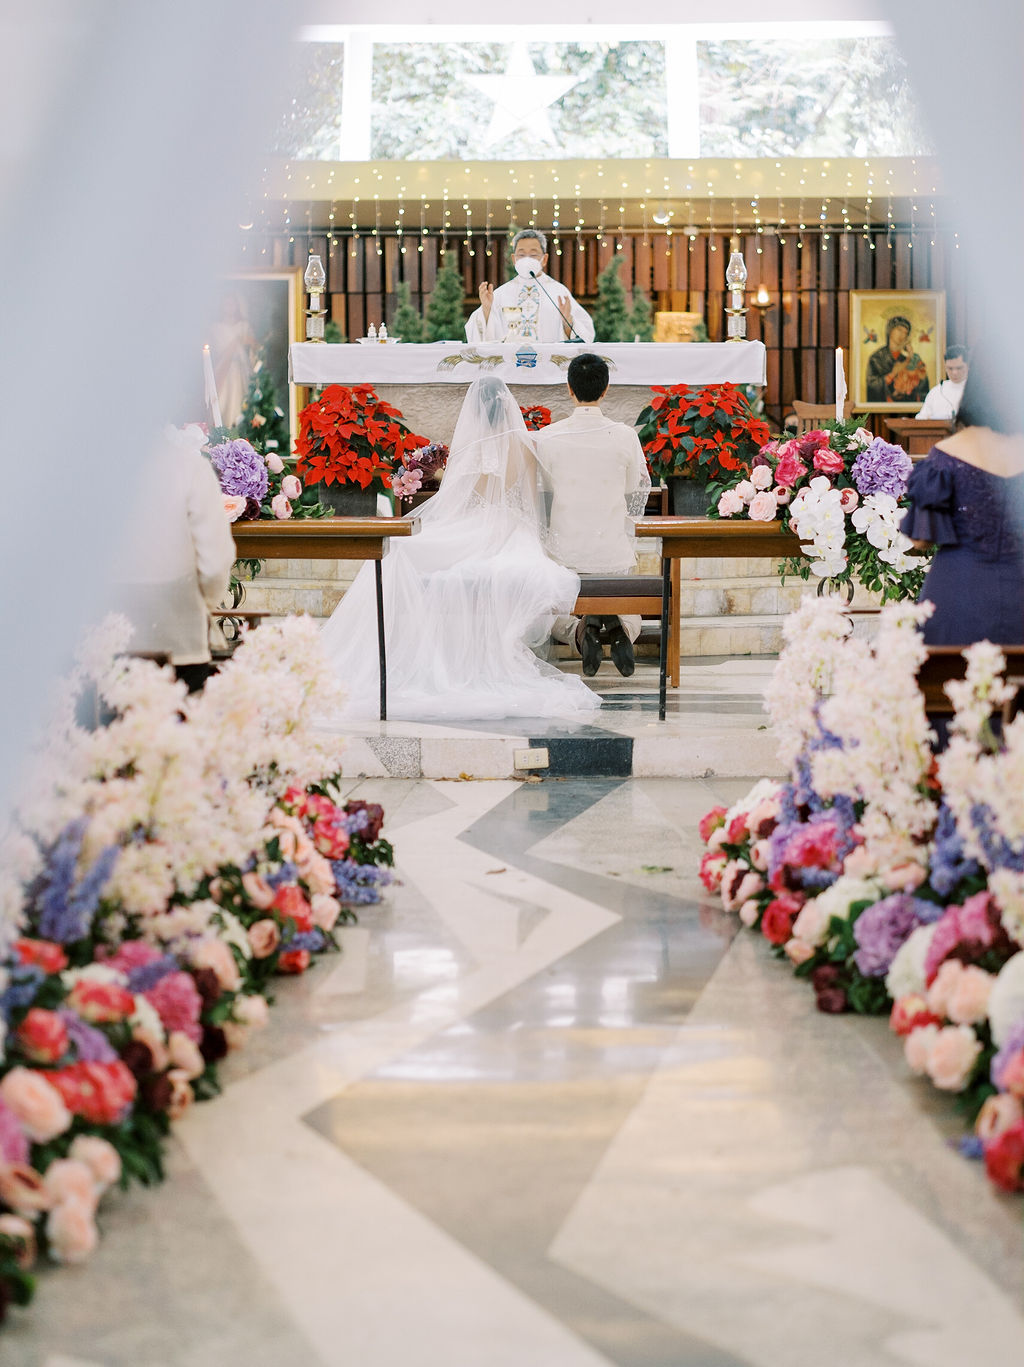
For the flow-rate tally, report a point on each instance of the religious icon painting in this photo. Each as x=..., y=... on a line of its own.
x=897, y=338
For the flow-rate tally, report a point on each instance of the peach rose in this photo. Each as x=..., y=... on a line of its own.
x=284, y=821
x=746, y=490
x=252, y=1010
x=71, y=1231
x=798, y=951
x=182, y=1095
x=318, y=874
x=100, y=1157
x=235, y=1034
x=998, y=1114
x=904, y=877
x=24, y=1235
x=730, y=503
x=952, y=1057
x=761, y=477
x=1013, y=1075
x=859, y=863
x=968, y=999
x=748, y=913
x=326, y=910
x=918, y=1046
x=258, y=891
x=217, y=955
x=22, y=1188
x=36, y=1103
x=185, y=1055
x=759, y=853
x=943, y=986
x=811, y=924
x=69, y=1179
x=234, y=506
x=264, y=937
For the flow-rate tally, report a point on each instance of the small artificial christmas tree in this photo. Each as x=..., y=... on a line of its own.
x=333, y=332
x=446, y=315
x=640, y=323
x=611, y=322
x=406, y=325
x=263, y=421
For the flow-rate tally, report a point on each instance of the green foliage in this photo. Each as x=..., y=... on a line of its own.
x=611, y=321
x=446, y=313
x=407, y=325
x=640, y=323
x=700, y=332
x=333, y=332
x=263, y=421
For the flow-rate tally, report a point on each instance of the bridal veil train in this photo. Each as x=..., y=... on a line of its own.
x=467, y=597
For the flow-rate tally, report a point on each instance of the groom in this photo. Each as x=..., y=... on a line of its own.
x=597, y=476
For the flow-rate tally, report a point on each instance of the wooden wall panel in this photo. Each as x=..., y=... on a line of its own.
x=809, y=313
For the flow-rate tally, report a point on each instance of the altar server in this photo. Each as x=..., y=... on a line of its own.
x=548, y=312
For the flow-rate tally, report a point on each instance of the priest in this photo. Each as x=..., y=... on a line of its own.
x=547, y=311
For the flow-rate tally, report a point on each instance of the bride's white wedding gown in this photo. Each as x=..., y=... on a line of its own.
x=467, y=596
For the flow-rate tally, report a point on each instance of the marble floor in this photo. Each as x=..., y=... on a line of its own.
x=547, y=1110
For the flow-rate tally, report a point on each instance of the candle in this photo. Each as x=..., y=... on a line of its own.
x=840, y=385
x=212, y=401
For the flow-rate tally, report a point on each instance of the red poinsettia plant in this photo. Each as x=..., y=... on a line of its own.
x=701, y=432
x=535, y=416
x=349, y=435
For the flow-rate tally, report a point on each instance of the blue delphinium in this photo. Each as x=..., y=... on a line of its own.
x=64, y=910
x=949, y=865
x=91, y=1045
x=359, y=884
x=313, y=940
x=145, y=976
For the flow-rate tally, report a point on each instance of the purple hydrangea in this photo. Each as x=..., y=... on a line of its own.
x=241, y=469
x=91, y=1045
x=882, y=468
x=313, y=940
x=146, y=976
x=1012, y=1045
x=883, y=928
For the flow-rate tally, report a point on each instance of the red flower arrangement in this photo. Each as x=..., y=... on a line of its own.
x=351, y=436
x=535, y=416
x=699, y=432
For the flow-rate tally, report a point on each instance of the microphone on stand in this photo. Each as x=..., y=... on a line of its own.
x=574, y=336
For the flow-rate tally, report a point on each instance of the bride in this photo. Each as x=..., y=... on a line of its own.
x=466, y=597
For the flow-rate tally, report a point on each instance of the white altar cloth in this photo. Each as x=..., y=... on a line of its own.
x=528, y=363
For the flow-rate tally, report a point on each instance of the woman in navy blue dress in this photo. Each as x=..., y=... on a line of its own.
x=967, y=499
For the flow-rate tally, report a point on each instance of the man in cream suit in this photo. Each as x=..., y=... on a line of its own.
x=547, y=311
x=596, y=474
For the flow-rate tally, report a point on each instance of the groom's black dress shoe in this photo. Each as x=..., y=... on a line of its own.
x=588, y=642
x=622, y=650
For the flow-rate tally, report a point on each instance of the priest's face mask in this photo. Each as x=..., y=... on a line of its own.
x=529, y=249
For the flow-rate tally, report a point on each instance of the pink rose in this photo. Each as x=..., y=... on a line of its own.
x=746, y=490
x=42, y=1036
x=733, y=875
x=326, y=910
x=1011, y=1078
x=258, y=891
x=749, y=912
x=904, y=877
x=185, y=1056
x=100, y=1157
x=782, y=496
x=952, y=1057
x=182, y=1095
x=763, y=507
x=997, y=1115
x=711, y=866
x=291, y=487
x=967, y=1002
x=751, y=884
x=280, y=507
x=178, y=1004
x=790, y=470
x=859, y=863
x=217, y=955
x=918, y=1046
x=759, y=854
x=71, y=1231
x=22, y=1188
x=317, y=872
x=829, y=462
x=848, y=499
x=36, y=1103
x=100, y=1003
x=13, y=1139
x=234, y=506
x=942, y=986
x=910, y=1013
x=761, y=477
x=730, y=503
x=274, y=462
x=252, y=1010
x=68, y=1179
x=264, y=938
x=811, y=924
x=24, y=1236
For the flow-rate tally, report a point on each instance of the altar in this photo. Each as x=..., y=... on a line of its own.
x=428, y=381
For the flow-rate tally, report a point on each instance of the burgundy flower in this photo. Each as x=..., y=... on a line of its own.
x=832, y=1001
x=214, y=1045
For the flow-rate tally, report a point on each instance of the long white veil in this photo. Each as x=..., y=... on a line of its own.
x=468, y=595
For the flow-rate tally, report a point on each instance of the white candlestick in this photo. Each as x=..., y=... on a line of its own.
x=212, y=401
x=840, y=385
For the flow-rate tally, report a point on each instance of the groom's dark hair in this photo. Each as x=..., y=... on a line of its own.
x=588, y=377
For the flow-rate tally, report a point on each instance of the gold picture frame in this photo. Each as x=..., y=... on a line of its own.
x=259, y=311
x=892, y=366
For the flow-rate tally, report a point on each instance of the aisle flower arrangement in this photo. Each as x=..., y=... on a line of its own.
x=348, y=435
x=700, y=432
x=423, y=466
x=156, y=877
x=256, y=485
x=891, y=879
x=843, y=493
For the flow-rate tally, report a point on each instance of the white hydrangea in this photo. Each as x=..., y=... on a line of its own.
x=1006, y=1000
x=906, y=972
x=146, y=1017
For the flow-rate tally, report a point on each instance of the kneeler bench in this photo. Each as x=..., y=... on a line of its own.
x=945, y=663
x=630, y=595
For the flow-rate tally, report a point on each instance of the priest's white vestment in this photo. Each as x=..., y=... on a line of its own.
x=541, y=319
